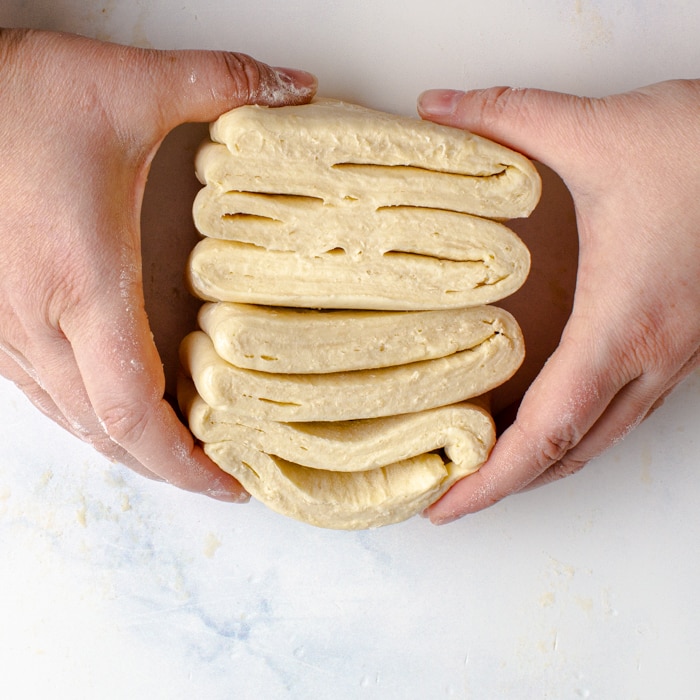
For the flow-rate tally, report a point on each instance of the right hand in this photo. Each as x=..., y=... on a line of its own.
x=80, y=122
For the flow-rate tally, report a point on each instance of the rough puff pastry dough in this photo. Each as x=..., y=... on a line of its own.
x=345, y=475
x=349, y=259
x=338, y=206
x=341, y=153
x=291, y=251
x=308, y=341
x=362, y=393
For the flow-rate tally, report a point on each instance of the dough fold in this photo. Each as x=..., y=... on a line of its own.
x=336, y=206
x=308, y=341
x=349, y=263
x=367, y=393
x=343, y=153
x=347, y=475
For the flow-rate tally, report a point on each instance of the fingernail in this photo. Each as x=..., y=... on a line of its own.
x=439, y=103
x=228, y=496
x=444, y=520
x=297, y=79
x=227, y=489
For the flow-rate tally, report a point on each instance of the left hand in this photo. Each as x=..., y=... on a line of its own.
x=631, y=164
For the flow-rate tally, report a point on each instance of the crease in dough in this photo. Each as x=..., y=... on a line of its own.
x=350, y=395
x=464, y=431
x=308, y=341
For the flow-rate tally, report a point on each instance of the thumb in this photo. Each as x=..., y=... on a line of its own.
x=537, y=123
x=199, y=86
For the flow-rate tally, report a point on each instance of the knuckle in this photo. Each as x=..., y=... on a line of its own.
x=561, y=470
x=556, y=445
x=494, y=101
x=241, y=75
x=567, y=467
x=126, y=424
x=497, y=101
x=658, y=343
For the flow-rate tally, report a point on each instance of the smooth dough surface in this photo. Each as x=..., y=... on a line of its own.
x=309, y=341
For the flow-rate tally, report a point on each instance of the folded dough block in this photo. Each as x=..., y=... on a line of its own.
x=369, y=393
x=309, y=341
x=343, y=153
x=464, y=430
x=354, y=416
x=294, y=252
x=231, y=271
x=336, y=206
x=346, y=475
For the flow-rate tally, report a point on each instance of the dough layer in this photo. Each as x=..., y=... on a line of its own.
x=299, y=251
x=352, y=475
x=342, y=153
x=341, y=396
x=464, y=431
x=306, y=341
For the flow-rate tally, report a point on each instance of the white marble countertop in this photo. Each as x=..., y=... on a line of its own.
x=115, y=587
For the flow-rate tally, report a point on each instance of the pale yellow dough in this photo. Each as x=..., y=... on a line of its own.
x=306, y=341
x=349, y=260
x=338, y=500
x=337, y=206
x=347, y=475
x=342, y=153
x=292, y=251
x=339, y=396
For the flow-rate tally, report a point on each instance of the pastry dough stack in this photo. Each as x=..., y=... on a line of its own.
x=349, y=262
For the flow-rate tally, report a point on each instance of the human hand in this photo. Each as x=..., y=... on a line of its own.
x=80, y=122
x=630, y=162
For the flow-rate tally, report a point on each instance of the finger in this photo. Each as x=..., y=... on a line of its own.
x=537, y=123
x=123, y=377
x=632, y=405
x=627, y=409
x=145, y=93
x=62, y=392
x=566, y=399
x=130, y=407
x=198, y=86
x=16, y=368
x=48, y=389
